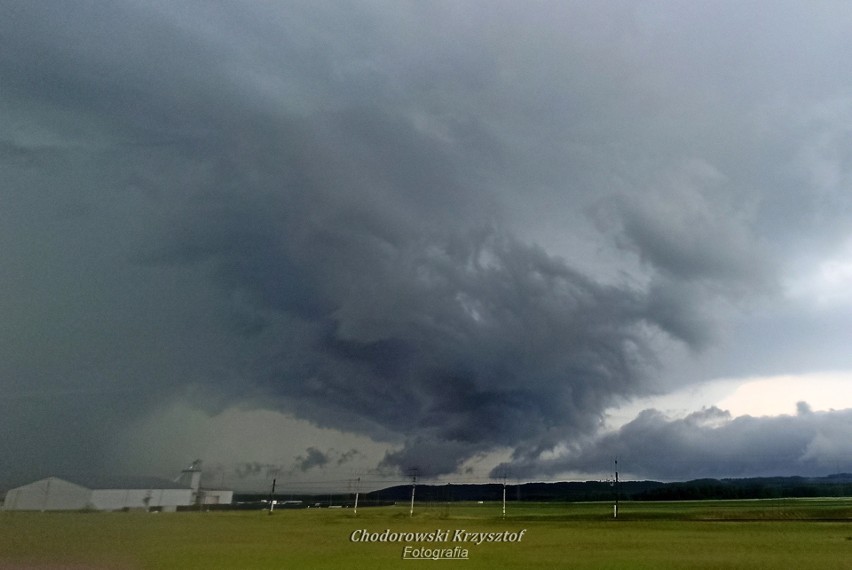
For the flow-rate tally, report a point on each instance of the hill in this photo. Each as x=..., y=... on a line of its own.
x=838, y=485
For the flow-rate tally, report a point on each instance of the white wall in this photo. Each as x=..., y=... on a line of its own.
x=51, y=494
x=218, y=497
x=117, y=499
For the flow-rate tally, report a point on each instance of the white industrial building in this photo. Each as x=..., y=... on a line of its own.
x=116, y=494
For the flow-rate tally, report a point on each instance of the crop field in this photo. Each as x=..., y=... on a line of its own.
x=784, y=533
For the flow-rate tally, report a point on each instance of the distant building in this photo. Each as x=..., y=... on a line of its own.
x=51, y=494
x=191, y=477
x=116, y=494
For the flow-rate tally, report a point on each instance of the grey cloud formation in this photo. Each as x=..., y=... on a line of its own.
x=462, y=227
x=347, y=456
x=710, y=443
x=313, y=458
x=317, y=459
x=466, y=346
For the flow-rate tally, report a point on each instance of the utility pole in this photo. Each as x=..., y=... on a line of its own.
x=272, y=497
x=504, y=495
x=413, y=472
x=357, y=489
x=615, y=507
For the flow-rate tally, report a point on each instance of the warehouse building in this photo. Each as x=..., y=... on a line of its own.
x=116, y=494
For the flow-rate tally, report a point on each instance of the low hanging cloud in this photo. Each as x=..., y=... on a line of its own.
x=711, y=443
x=255, y=469
x=313, y=458
x=462, y=346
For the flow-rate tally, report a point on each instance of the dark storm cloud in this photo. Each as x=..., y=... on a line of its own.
x=687, y=229
x=463, y=344
x=313, y=458
x=334, y=209
x=710, y=443
x=347, y=456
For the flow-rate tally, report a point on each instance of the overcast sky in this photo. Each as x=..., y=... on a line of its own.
x=328, y=240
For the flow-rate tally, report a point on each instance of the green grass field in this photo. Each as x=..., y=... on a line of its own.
x=713, y=534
